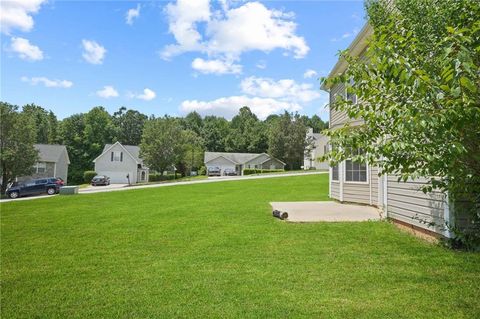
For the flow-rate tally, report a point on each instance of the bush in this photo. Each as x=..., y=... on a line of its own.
x=202, y=171
x=160, y=178
x=88, y=175
x=250, y=171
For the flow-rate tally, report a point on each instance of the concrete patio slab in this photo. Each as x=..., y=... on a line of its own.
x=327, y=211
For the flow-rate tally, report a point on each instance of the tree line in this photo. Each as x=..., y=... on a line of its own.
x=164, y=141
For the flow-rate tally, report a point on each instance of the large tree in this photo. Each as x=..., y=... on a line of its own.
x=418, y=92
x=162, y=143
x=17, y=136
x=286, y=139
x=45, y=123
x=128, y=126
x=214, y=132
x=247, y=134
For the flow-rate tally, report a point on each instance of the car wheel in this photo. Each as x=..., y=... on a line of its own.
x=13, y=195
x=51, y=191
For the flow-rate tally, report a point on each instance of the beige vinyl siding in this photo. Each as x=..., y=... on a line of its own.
x=335, y=190
x=356, y=192
x=337, y=117
x=374, y=183
x=406, y=202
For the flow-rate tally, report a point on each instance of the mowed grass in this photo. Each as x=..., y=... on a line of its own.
x=214, y=251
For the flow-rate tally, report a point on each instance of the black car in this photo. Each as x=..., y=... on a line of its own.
x=33, y=187
x=229, y=172
x=100, y=180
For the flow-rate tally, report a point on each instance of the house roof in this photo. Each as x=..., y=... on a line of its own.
x=133, y=150
x=237, y=158
x=51, y=152
x=354, y=49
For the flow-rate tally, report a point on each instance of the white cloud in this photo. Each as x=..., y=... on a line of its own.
x=147, y=95
x=183, y=17
x=261, y=65
x=229, y=106
x=310, y=74
x=216, y=66
x=25, y=49
x=285, y=89
x=17, y=14
x=346, y=35
x=48, y=82
x=229, y=32
x=94, y=53
x=132, y=14
x=107, y=92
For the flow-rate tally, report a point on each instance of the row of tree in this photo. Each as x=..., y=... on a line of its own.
x=164, y=141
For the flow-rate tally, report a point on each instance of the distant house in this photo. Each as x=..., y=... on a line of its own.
x=53, y=161
x=240, y=161
x=317, y=148
x=122, y=163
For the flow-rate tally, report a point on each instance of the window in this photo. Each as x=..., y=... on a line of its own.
x=335, y=173
x=355, y=171
x=117, y=157
x=350, y=95
x=40, y=167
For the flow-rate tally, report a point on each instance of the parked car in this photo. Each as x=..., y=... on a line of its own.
x=100, y=180
x=214, y=171
x=229, y=172
x=33, y=187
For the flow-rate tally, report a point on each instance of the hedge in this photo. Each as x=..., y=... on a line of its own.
x=250, y=171
x=160, y=178
x=88, y=175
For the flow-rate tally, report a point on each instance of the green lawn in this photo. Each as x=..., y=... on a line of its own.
x=213, y=250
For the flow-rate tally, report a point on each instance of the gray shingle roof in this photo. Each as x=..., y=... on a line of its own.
x=132, y=149
x=50, y=152
x=239, y=158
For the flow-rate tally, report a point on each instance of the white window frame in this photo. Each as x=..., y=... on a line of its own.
x=346, y=93
x=367, y=167
x=115, y=154
x=37, y=166
x=338, y=177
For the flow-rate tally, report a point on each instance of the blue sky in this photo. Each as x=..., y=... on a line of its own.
x=163, y=57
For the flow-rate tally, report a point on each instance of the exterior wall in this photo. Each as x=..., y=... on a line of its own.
x=256, y=161
x=117, y=171
x=49, y=172
x=407, y=203
x=337, y=118
x=374, y=185
x=335, y=190
x=61, y=169
x=221, y=163
x=272, y=163
x=310, y=161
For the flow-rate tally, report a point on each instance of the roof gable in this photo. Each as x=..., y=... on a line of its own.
x=131, y=150
x=51, y=152
x=237, y=158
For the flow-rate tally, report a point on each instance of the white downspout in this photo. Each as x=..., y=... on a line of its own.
x=448, y=216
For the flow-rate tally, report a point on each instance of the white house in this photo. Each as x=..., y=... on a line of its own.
x=317, y=148
x=240, y=161
x=122, y=164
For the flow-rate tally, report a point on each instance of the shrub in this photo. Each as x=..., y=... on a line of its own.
x=88, y=175
x=202, y=171
x=250, y=171
x=154, y=177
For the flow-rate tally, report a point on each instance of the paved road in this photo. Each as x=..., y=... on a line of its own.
x=122, y=187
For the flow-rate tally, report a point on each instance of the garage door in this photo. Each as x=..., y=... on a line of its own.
x=118, y=177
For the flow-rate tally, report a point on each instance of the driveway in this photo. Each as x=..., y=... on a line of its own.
x=99, y=189
x=327, y=211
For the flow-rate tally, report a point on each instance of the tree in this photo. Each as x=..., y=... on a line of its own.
x=17, y=136
x=192, y=153
x=418, y=93
x=193, y=122
x=214, y=132
x=45, y=123
x=247, y=133
x=162, y=143
x=286, y=139
x=128, y=126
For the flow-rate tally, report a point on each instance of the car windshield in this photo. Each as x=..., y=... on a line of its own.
x=98, y=177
